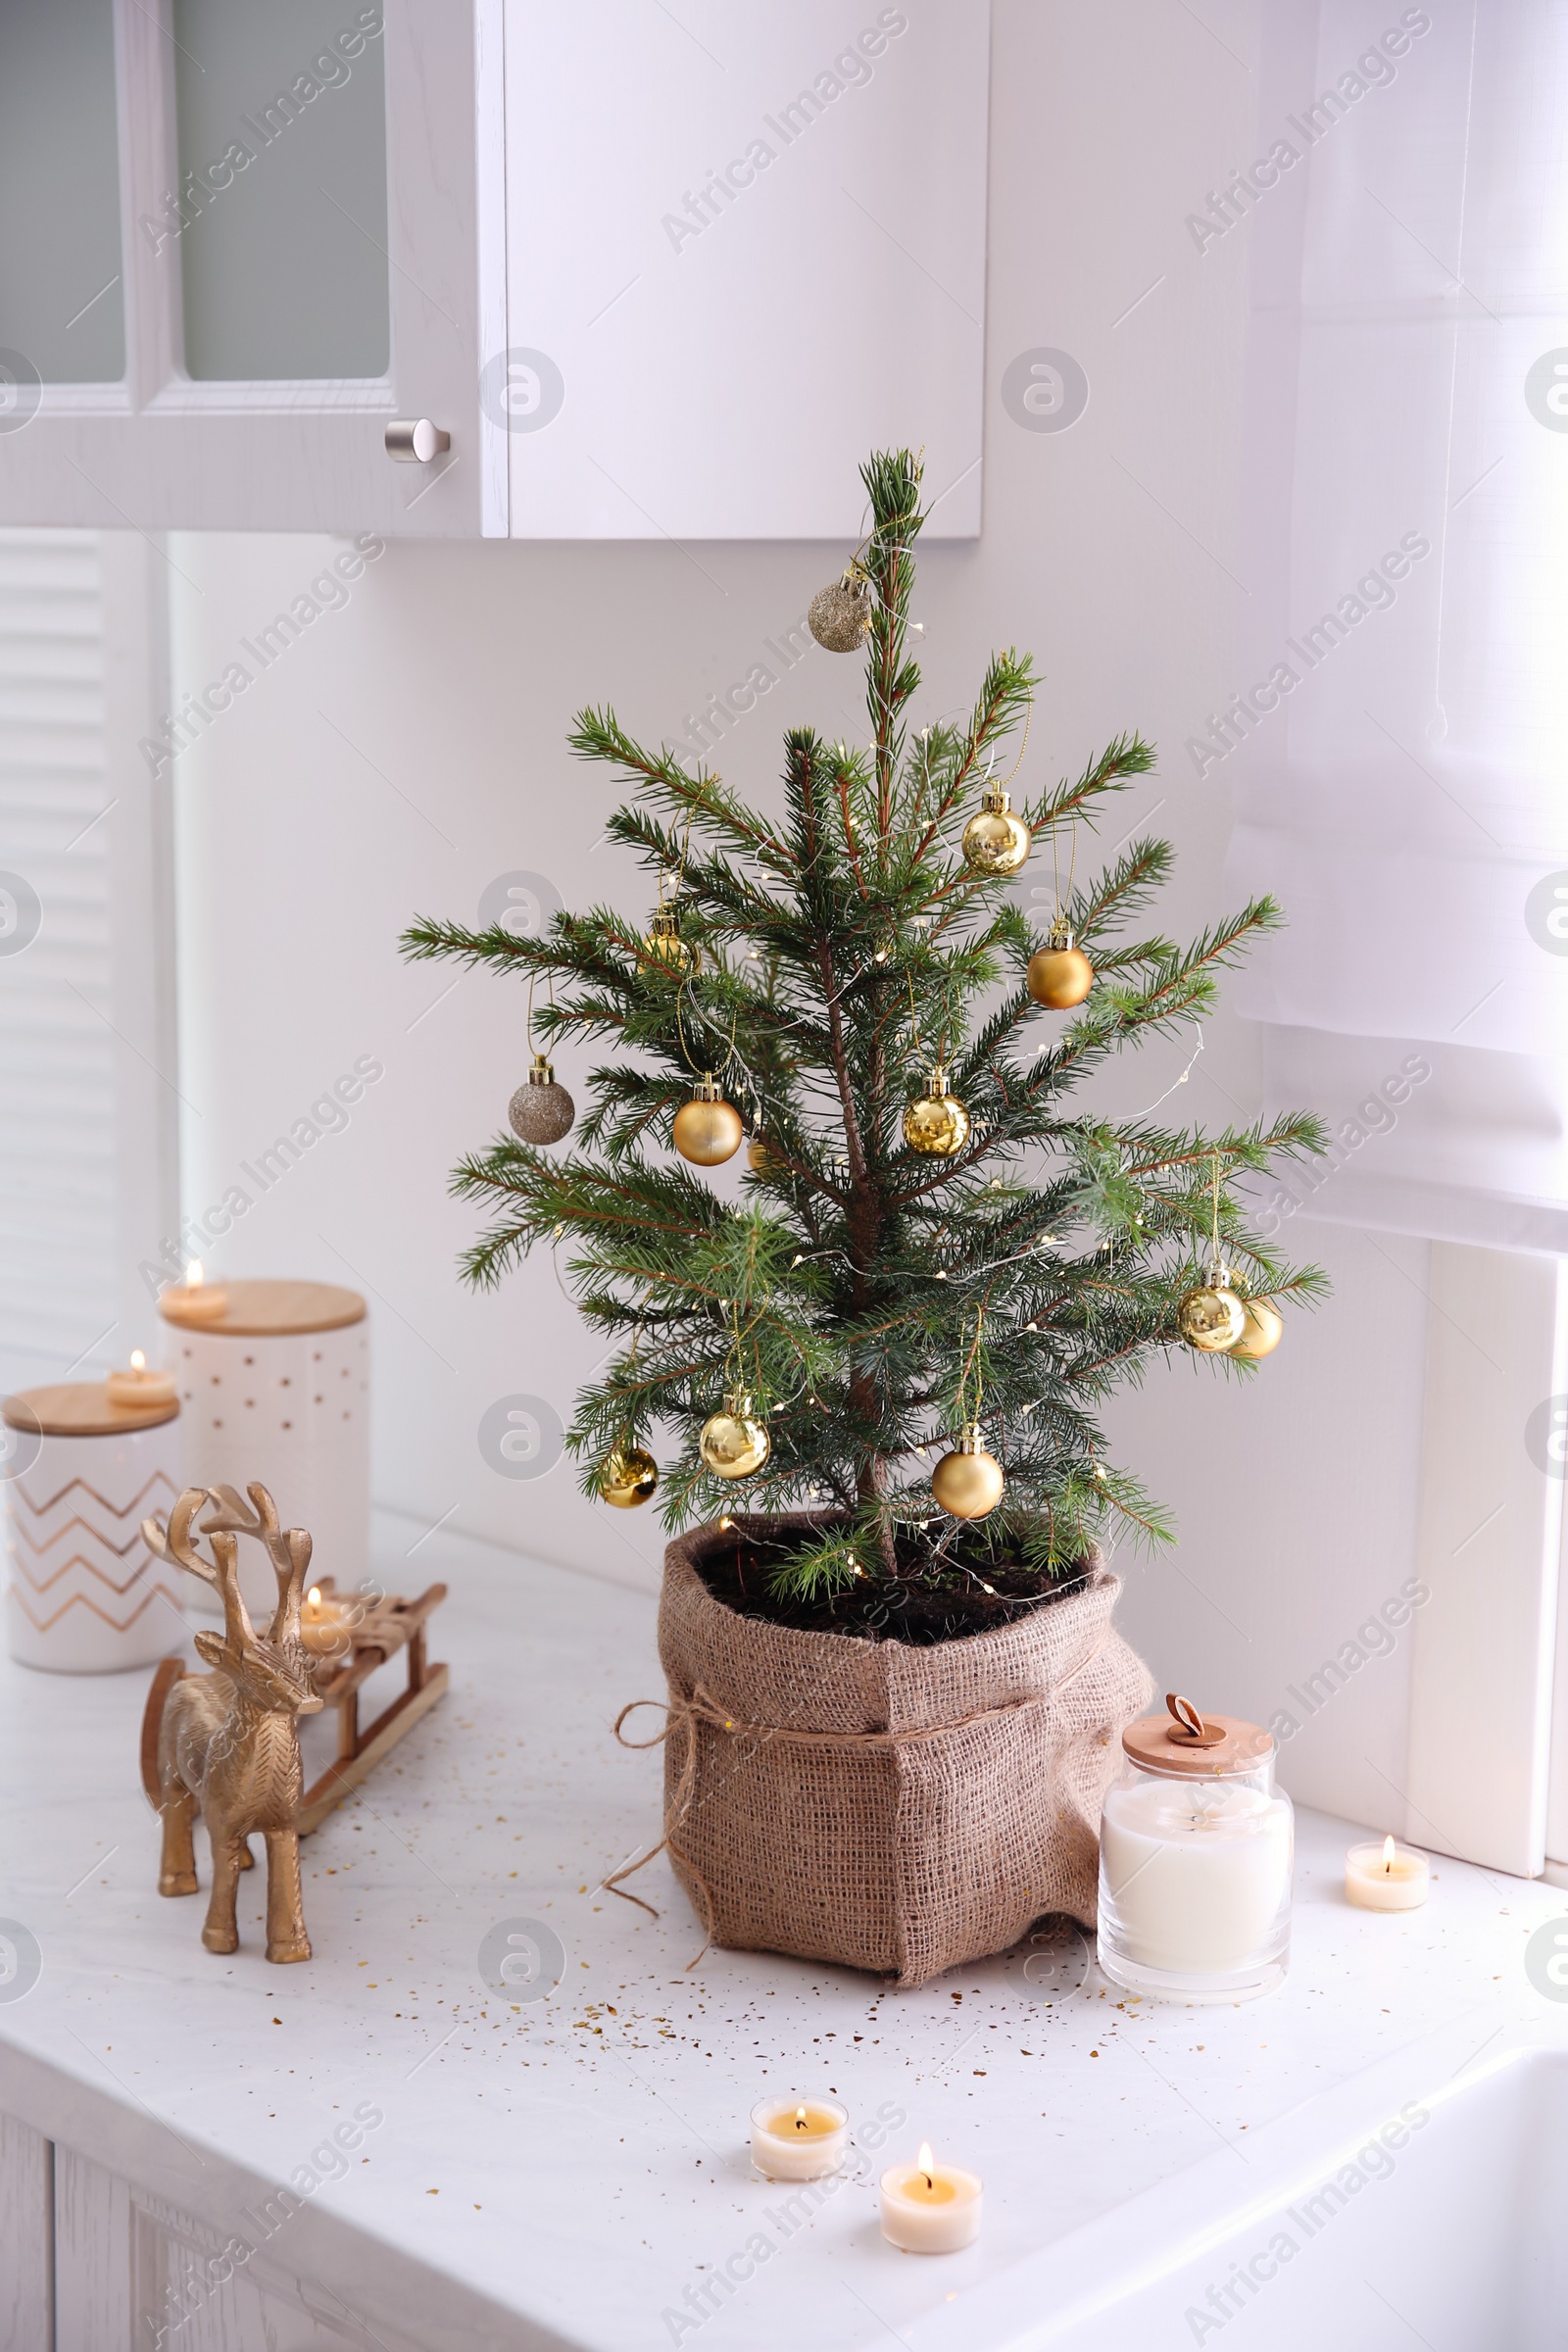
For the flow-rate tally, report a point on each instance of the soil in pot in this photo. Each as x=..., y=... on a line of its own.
x=916, y=1606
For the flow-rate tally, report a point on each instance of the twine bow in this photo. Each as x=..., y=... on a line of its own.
x=682, y=1715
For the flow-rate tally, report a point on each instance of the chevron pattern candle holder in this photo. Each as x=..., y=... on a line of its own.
x=79, y=1473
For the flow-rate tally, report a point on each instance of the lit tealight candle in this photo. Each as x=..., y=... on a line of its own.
x=195, y=1300
x=1387, y=1877
x=324, y=1624
x=929, y=2208
x=799, y=2139
x=138, y=1385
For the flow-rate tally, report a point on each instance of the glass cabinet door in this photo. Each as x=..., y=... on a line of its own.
x=279, y=229
x=61, y=290
x=281, y=234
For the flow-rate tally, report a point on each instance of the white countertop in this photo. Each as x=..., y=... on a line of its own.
x=563, y=2172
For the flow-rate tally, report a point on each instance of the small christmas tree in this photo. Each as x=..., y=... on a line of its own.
x=983, y=1268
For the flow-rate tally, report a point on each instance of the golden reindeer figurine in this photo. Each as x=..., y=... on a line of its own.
x=229, y=1741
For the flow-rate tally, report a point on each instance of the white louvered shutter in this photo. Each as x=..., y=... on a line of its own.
x=57, y=1280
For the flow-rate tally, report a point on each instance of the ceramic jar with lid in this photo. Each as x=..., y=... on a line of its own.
x=276, y=1388
x=79, y=1473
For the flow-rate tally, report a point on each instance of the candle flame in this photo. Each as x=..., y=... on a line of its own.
x=1390, y=1849
x=926, y=2163
x=314, y=1597
x=138, y=1362
x=799, y=2119
x=194, y=1277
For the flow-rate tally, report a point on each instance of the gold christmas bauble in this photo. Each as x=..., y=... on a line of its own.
x=627, y=1477
x=664, y=943
x=936, y=1122
x=733, y=1442
x=759, y=1160
x=1262, y=1330
x=839, y=617
x=1212, y=1318
x=541, y=1112
x=995, y=842
x=708, y=1130
x=968, y=1481
x=1060, y=975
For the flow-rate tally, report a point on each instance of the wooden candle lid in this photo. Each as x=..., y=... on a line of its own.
x=264, y=1310
x=81, y=1409
x=1168, y=1742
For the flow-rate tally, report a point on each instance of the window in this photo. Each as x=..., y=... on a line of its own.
x=87, y=1140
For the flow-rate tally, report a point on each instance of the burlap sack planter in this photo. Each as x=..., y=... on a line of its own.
x=878, y=1804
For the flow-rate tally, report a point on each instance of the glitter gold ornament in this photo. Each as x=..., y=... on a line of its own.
x=664, y=943
x=708, y=1130
x=968, y=1481
x=1212, y=1318
x=996, y=841
x=1262, y=1330
x=627, y=1477
x=839, y=617
x=936, y=1122
x=541, y=1112
x=734, y=1443
x=1060, y=975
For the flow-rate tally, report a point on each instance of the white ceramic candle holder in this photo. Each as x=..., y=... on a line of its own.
x=277, y=1390
x=79, y=1474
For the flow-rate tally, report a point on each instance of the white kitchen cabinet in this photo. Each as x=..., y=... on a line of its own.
x=133, y=2272
x=640, y=272
x=293, y=171
x=26, y=2233
x=753, y=244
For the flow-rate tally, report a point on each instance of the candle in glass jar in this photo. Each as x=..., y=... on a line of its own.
x=1197, y=1871
x=1387, y=1877
x=930, y=2208
x=1196, y=1850
x=136, y=1386
x=799, y=2139
x=195, y=1300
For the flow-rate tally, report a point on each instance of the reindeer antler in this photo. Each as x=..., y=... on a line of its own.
x=291, y=1584
x=230, y=1516
x=238, y=1630
x=177, y=1541
x=288, y=1549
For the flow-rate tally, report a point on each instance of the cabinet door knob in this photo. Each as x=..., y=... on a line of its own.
x=414, y=440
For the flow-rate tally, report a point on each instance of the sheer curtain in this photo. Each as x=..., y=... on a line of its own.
x=1398, y=749
x=1409, y=576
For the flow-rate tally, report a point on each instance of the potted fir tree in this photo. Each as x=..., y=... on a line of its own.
x=867, y=1393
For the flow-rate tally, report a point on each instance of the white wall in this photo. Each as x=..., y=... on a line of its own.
x=410, y=749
